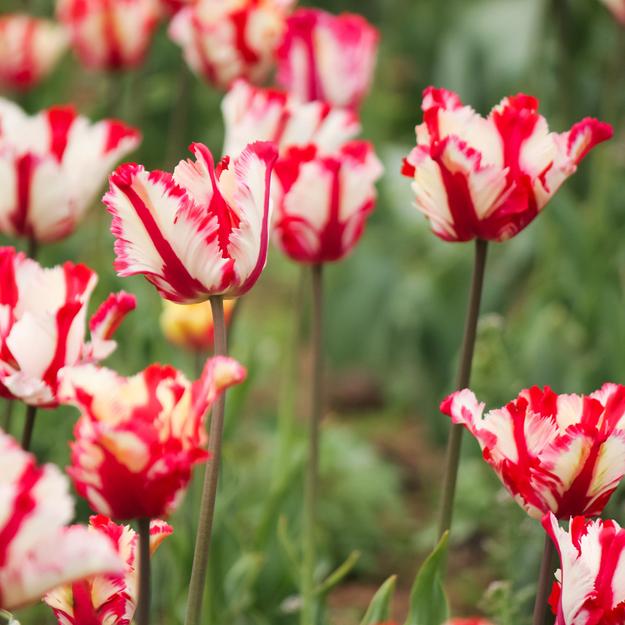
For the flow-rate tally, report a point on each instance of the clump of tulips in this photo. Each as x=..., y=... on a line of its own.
x=295, y=173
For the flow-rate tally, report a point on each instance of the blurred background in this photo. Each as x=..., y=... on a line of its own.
x=552, y=314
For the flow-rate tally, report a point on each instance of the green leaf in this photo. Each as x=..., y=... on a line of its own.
x=337, y=576
x=428, y=603
x=379, y=609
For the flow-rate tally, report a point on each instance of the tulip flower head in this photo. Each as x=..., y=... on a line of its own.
x=224, y=40
x=191, y=325
x=554, y=453
x=110, y=34
x=52, y=166
x=328, y=57
x=138, y=438
x=617, y=8
x=42, y=323
x=589, y=587
x=256, y=114
x=324, y=200
x=30, y=48
x=106, y=599
x=488, y=178
x=200, y=232
x=37, y=550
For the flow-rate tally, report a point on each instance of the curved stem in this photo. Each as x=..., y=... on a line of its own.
x=464, y=376
x=143, y=602
x=209, y=492
x=29, y=426
x=308, y=616
x=545, y=582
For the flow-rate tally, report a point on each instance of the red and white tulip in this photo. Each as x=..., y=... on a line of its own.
x=488, y=178
x=324, y=200
x=106, y=599
x=617, y=8
x=37, y=550
x=191, y=325
x=590, y=585
x=110, y=34
x=223, y=40
x=328, y=57
x=30, y=48
x=42, y=325
x=138, y=438
x=256, y=114
x=200, y=232
x=52, y=166
x=554, y=453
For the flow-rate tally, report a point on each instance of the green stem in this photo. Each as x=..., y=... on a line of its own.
x=545, y=582
x=464, y=376
x=308, y=615
x=209, y=492
x=29, y=426
x=33, y=248
x=8, y=415
x=143, y=602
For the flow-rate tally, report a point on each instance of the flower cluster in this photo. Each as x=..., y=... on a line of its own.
x=145, y=432
x=47, y=309
x=51, y=167
x=37, y=550
x=106, y=599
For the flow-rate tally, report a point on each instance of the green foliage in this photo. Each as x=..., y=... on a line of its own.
x=379, y=609
x=428, y=603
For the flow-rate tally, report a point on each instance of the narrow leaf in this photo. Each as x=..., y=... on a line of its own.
x=379, y=609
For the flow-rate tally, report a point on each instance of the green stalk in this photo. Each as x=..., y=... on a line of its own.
x=309, y=607
x=29, y=426
x=143, y=601
x=209, y=492
x=545, y=582
x=454, y=442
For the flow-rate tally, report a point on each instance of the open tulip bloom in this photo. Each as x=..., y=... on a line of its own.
x=488, y=178
x=138, y=438
x=51, y=167
x=200, y=232
x=37, y=550
x=324, y=200
x=110, y=34
x=328, y=57
x=42, y=324
x=224, y=40
x=554, y=453
x=256, y=114
x=590, y=585
x=106, y=599
x=29, y=49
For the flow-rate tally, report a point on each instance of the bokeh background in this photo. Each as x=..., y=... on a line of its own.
x=553, y=313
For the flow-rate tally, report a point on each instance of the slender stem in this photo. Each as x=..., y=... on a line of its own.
x=308, y=616
x=33, y=248
x=143, y=602
x=8, y=415
x=464, y=376
x=209, y=492
x=29, y=426
x=545, y=582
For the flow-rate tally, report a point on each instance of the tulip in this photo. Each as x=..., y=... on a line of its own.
x=563, y=454
x=488, y=178
x=200, y=232
x=110, y=34
x=191, y=325
x=138, y=438
x=255, y=114
x=30, y=48
x=106, y=599
x=589, y=587
x=37, y=550
x=473, y=620
x=42, y=321
x=617, y=8
x=328, y=57
x=224, y=40
x=52, y=166
x=171, y=7
x=324, y=201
